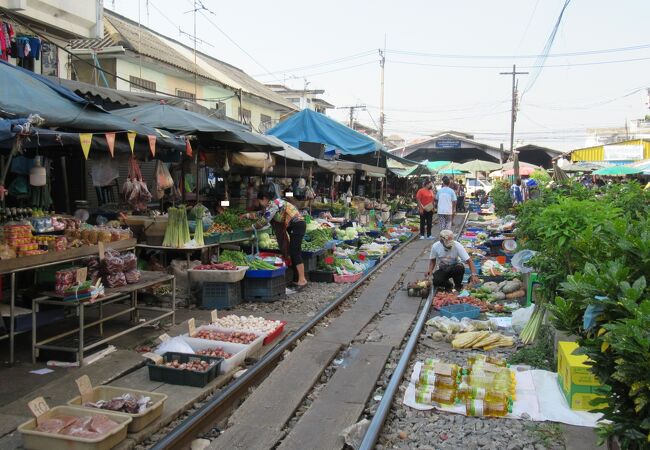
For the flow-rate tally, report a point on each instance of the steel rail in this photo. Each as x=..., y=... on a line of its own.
x=377, y=422
x=214, y=409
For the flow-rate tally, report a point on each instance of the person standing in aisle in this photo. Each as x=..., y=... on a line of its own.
x=446, y=205
x=517, y=192
x=289, y=228
x=425, y=198
x=460, y=193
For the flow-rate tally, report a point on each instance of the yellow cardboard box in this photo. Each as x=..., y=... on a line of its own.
x=577, y=383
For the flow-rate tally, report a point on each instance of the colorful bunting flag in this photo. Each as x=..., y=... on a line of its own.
x=131, y=135
x=152, y=144
x=110, y=140
x=85, y=139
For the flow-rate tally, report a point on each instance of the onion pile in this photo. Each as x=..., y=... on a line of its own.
x=237, y=337
x=256, y=324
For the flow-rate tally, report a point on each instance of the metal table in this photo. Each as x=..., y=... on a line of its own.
x=111, y=296
x=25, y=263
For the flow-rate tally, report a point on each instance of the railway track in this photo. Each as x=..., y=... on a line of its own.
x=221, y=405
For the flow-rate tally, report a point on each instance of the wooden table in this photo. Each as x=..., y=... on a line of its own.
x=111, y=295
x=12, y=266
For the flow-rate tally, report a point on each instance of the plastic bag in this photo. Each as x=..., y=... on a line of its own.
x=130, y=262
x=112, y=265
x=104, y=171
x=520, y=318
x=132, y=276
x=162, y=180
x=176, y=345
x=115, y=280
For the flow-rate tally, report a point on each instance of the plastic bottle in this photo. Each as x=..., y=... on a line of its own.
x=494, y=404
x=444, y=396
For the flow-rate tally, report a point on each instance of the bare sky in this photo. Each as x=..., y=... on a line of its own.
x=426, y=90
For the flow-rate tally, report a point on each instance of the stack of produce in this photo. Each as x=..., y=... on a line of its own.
x=504, y=291
x=235, y=257
x=482, y=340
x=348, y=234
x=219, y=228
x=126, y=403
x=233, y=220
x=218, y=266
x=88, y=427
x=449, y=298
x=195, y=366
x=177, y=234
x=267, y=241
x=216, y=352
x=248, y=323
x=341, y=266
x=419, y=288
x=260, y=264
x=236, y=337
x=318, y=238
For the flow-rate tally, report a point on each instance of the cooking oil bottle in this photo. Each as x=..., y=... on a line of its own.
x=429, y=395
x=495, y=404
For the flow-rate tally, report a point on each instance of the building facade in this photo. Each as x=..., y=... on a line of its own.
x=131, y=57
x=303, y=98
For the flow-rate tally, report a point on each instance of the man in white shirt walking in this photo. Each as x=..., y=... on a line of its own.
x=447, y=258
x=446, y=205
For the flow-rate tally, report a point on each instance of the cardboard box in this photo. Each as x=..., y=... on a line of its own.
x=576, y=381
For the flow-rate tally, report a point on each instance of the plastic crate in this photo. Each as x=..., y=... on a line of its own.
x=264, y=289
x=273, y=335
x=277, y=273
x=221, y=295
x=373, y=233
x=212, y=238
x=460, y=311
x=171, y=375
x=310, y=262
x=347, y=278
x=321, y=276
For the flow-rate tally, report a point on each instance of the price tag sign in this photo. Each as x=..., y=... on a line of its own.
x=38, y=407
x=157, y=359
x=191, y=327
x=85, y=388
x=164, y=337
x=100, y=245
x=82, y=274
x=213, y=316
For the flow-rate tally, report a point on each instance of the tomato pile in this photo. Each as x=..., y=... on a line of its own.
x=218, y=352
x=219, y=266
x=196, y=366
x=449, y=298
x=238, y=337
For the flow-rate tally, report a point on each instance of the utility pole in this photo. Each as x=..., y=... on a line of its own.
x=382, y=63
x=513, y=116
x=352, y=109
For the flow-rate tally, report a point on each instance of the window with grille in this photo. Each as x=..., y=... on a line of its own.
x=245, y=115
x=265, y=122
x=184, y=94
x=141, y=85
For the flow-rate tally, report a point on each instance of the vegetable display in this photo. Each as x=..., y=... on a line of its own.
x=177, y=234
x=449, y=298
x=231, y=219
x=219, y=266
x=319, y=237
x=196, y=366
x=257, y=324
x=237, y=337
x=233, y=256
x=128, y=403
x=482, y=339
x=218, y=352
x=259, y=264
x=199, y=211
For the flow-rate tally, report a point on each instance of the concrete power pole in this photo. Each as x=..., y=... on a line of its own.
x=351, y=109
x=513, y=115
x=382, y=63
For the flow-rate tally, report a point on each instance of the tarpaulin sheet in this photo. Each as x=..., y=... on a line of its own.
x=23, y=93
x=310, y=126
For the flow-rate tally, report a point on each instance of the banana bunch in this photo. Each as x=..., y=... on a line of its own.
x=482, y=340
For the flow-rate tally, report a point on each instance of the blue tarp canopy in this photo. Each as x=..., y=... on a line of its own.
x=310, y=126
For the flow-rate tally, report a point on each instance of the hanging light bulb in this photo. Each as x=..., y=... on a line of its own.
x=348, y=179
x=37, y=176
x=226, y=166
x=337, y=178
x=302, y=183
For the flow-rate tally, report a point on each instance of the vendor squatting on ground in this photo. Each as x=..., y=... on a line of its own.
x=447, y=258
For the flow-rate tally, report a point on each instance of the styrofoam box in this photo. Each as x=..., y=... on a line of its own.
x=253, y=347
x=239, y=351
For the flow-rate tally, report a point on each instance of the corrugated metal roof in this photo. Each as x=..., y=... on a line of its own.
x=119, y=30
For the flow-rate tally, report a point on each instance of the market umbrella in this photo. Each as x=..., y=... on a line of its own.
x=451, y=171
x=479, y=165
x=618, y=171
x=433, y=165
x=643, y=165
x=523, y=171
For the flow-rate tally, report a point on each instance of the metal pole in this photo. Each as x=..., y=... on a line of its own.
x=12, y=317
x=513, y=114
